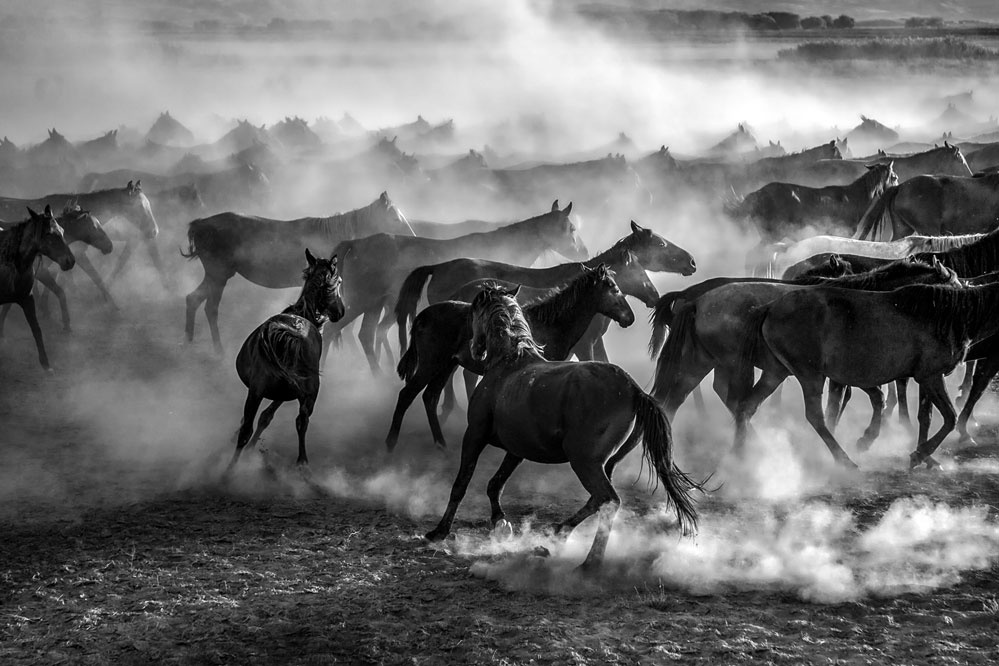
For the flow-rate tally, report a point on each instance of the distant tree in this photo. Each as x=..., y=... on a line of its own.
x=924, y=22
x=277, y=24
x=761, y=22
x=813, y=23
x=786, y=20
x=844, y=21
x=828, y=20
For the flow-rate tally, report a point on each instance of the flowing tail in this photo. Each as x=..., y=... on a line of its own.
x=876, y=223
x=192, y=248
x=657, y=445
x=661, y=320
x=680, y=341
x=285, y=352
x=409, y=298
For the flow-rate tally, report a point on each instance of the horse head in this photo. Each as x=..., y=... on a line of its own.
x=611, y=301
x=561, y=235
x=322, y=287
x=80, y=225
x=658, y=254
x=498, y=324
x=140, y=212
x=47, y=237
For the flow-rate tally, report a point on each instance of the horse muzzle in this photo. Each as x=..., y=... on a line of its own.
x=67, y=262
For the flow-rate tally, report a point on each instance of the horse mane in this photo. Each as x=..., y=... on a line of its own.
x=305, y=306
x=509, y=334
x=874, y=279
x=944, y=243
x=958, y=313
x=981, y=256
x=558, y=302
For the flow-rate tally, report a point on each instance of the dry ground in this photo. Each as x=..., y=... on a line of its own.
x=121, y=544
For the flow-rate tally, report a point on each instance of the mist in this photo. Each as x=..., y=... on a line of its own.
x=133, y=412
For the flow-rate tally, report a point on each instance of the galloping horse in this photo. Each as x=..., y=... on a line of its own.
x=20, y=246
x=78, y=226
x=865, y=339
x=126, y=202
x=375, y=267
x=558, y=412
x=442, y=331
x=279, y=361
x=267, y=252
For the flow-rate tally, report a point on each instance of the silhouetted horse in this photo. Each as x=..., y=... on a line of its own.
x=78, y=226
x=865, y=339
x=267, y=252
x=778, y=210
x=442, y=331
x=375, y=267
x=20, y=246
x=558, y=412
x=279, y=361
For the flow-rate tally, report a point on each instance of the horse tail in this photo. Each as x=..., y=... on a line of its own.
x=192, y=248
x=735, y=206
x=680, y=340
x=876, y=223
x=285, y=352
x=657, y=444
x=661, y=320
x=408, y=363
x=744, y=375
x=409, y=298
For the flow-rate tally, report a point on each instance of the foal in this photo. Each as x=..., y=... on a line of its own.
x=279, y=361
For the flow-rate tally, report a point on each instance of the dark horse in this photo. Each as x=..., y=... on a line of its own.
x=442, y=331
x=20, y=246
x=865, y=339
x=559, y=412
x=127, y=202
x=78, y=226
x=279, y=361
x=779, y=210
x=267, y=252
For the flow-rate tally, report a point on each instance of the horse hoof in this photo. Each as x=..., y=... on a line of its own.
x=933, y=464
x=864, y=443
x=502, y=529
x=967, y=441
x=589, y=567
x=915, y=460
x=848, y=464
x=436, y=536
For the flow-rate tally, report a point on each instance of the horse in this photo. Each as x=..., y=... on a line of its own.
x=786, y=260
x=708, y=333
x=279, y=361
x=933, y=205
x=20, y=246
x=865, y=339
x=267, y=251
x=946, y=160
x=442, y=331
x=127, y=202
x=653, y=251
x=781, y=209
x=559, y=412
x=375, y=267
x=78, y=226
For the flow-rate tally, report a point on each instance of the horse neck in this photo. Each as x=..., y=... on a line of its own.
x=613, y=256
x=519, y=242
x=74, y=229
x=864, y=188
x=306, y=307
x=970, y=260
x=979, y=321
x=562, y=319
x=12, y=258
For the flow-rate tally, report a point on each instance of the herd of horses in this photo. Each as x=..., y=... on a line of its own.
x=868, y=272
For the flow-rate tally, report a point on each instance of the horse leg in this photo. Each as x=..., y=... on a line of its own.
x=603, y=499
x=407, y=394
x=902, y=390
x=471, y=381
x=969, y=377
x=265, y=419
x=154, y=256
x=892, y=399
x=212, y=313
x=936, y=391
x=877, y=415
x=366, y=335
x=745, y=406
x=382, y=336
x=305, y=406
x=126, y=252
x=50, y=283
x=194, y=301
x=599, y=352
x=985, y=370
x=629, y=444
x=495, y=488
x=28, y=305
x=698, y=401
x=250, y=408
x=472, y=445
x=431, y=396
x=811, y=388
x=83, y=261
x=4, y=311
x=834, y=403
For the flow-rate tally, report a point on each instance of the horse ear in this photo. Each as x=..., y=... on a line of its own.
x=946, y=144
x=31, y=212
x=515, y=291
x=48, y=211
x=636, y=228
x=383, y=197
x=129, y=186
x=555, y=205
x=834, y=260
x=308, y=257
x=568, y=209
x=333, y=258
x=138, y=184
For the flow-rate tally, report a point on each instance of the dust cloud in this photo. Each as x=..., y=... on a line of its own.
x=133, y=412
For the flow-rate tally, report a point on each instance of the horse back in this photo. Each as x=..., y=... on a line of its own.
x=280, y=358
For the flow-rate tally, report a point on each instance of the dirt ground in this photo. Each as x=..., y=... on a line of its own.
x=122, y=544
